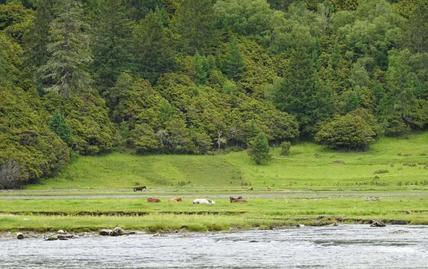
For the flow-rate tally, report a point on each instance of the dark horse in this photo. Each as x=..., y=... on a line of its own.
x=237, y=199
x=141, y=188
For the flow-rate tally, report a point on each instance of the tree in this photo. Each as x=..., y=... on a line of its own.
x=202, y=67
x=37, y=38
x=250, y=17
x=400, y=100
x=59, y=126
x=194, y=22
x=15, y=20
x=285, y=148
x=301, y=92
x=415, y=36
x=154, y=52
x=65, y=71
x=112, y=46
x=259, y=149
x=349, y=132
x=10, y=60
x=233, y=65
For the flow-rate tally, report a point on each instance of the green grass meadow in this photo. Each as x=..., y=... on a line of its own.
x=312, y=186
x=390, y=164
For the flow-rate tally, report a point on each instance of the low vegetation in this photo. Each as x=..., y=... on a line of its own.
x=307, y=167
x=93, y=214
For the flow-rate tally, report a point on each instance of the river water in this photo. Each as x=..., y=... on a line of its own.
x=346, y=246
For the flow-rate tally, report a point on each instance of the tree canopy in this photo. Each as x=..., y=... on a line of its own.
x=198, y=76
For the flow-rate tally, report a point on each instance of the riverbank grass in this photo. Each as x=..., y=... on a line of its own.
x=94, y=214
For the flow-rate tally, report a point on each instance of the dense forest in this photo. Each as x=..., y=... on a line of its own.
x=198, y=76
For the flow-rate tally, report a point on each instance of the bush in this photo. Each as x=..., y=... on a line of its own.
x=285, y=148
x=87, y=117
x=395, y=126
x=58, y=125
x=259, y=149
x=28, y=148
x=349, y=132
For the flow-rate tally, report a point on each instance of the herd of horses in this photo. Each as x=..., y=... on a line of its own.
x=232, y=199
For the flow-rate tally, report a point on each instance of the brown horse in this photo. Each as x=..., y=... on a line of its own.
x=237, y=199
x=140, y=188
x=153, y=200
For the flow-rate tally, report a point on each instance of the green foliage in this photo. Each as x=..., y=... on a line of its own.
x=310, y=167
x=86, y=115
x=285, y=148
x=28, y=148
x=65, y=71
x=195, y=76
x=59, y=126
x=154, y=45
x=415, y=35
x=233, y=65
x=15, y=20
x=10, y=60
x=193, y=23
x=113, y=43
x=37, y=38
x=301, y=92
x=203, y=67
x=250, y=18
x=259, y=149
x=400, y=102
x=349, y=132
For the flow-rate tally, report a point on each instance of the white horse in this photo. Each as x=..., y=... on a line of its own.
x=203, y=202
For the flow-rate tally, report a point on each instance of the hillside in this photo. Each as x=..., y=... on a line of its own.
x=391, y=164
x=195, y=77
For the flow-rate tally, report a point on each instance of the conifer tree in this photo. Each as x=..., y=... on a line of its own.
x=112, y=46
x=234, y=65
x=38, y=37
x=154, y=52
x=301, y=93
x=69, y=55
x=59, y=126
x=259, y=149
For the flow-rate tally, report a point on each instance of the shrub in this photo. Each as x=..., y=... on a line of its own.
x=259, y=149
x=349, y=132
x=87, y=117
x=285, y=148
x=28, y=148
x=58, y=125
x=395, y=126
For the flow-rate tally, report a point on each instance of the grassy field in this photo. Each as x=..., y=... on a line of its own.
x=312, y=186
x=390, y=164
x=93, y=214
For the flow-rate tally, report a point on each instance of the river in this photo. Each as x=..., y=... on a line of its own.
x=345, y=246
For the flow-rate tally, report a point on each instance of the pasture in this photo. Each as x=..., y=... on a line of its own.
x=312, y=186
x=390, y=164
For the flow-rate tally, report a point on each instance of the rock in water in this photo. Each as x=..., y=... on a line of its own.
x=51, y=238
x=19, y=236
x=105, y=232
x=65, y=236
x=117, y=232
x=377, y=223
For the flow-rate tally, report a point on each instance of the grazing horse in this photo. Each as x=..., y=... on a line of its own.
x=153, y=200
x=237, y=199
x=203, y=202
x=141, y=188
